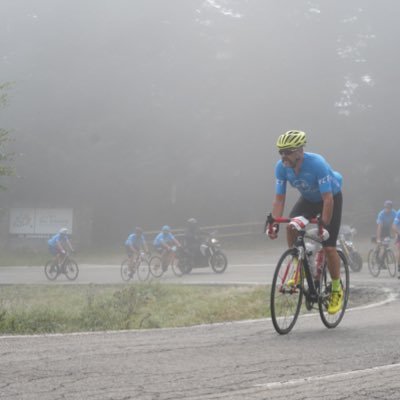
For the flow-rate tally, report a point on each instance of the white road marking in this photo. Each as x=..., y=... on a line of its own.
x=310, y=379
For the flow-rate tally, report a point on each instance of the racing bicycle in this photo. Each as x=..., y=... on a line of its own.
x=137, y=264
x=67, y=266
x=381, y=257
x=177, y=263
x=300, y=273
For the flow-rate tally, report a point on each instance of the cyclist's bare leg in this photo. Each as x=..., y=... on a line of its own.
x=165, y=258
x=333, y=260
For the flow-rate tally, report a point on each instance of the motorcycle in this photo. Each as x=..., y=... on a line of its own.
x=209, y=254
x=345, y=243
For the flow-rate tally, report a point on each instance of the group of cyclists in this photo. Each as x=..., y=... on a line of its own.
x=388, y=226
x=320, y=190
x=165, y=243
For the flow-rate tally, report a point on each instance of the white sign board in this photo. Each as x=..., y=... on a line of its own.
x=40, y=221
x=22, y=221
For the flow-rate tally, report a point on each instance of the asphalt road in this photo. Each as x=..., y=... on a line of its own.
x=360, y=359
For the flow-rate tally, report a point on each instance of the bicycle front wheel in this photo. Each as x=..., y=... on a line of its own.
x=51, y=270
x=325, y=290
x=156, y=268
x=390, y=262
x=286, y=292
x=71, y=270
x=126, y=273
x=143, y=270
x=373, y=264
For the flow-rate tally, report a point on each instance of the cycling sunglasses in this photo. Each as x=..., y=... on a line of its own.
x=287, y=152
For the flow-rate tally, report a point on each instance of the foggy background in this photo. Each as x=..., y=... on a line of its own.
x=149, y=112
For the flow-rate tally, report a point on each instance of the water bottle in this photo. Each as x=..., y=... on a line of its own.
x=310, y=252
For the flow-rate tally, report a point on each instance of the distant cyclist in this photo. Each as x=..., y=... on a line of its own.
x=135, y=243
x=164, y=243
x=384, y=221
x=396, y=229
x=59, y=244
x=320, y=193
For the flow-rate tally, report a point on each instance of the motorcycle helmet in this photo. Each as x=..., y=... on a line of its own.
x=166, y=229
x=63, y=231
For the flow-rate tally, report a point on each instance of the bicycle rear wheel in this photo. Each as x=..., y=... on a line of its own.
x=373, y=264
x=156, y=268
x=126, y=273
x=71, y=270
x=390, y=262
x=325, y=289
x=286, y=292
x=143, y=270
x=51, y=270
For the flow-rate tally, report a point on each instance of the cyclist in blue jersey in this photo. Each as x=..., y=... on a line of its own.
x=59, y=243
x=384, y=221
x=396, y=229
x=164, y=243
x=135, y=242
x=320, y=194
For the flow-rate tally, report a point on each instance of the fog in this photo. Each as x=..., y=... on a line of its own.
x=148, y=112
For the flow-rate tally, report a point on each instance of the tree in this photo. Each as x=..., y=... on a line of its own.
x=5, y=157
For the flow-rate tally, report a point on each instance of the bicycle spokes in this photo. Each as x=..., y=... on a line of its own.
x=286, y=293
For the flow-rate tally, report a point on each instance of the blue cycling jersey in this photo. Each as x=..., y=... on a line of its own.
x=314, y=178
x=168, y=238
x=386, y=218
x=52, y=242
x=396, y=220
x=135, y=240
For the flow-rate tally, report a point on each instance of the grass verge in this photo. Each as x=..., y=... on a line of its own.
x=33, y=309
x=30, y=309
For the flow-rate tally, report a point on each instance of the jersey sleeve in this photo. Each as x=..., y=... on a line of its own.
x=396, y=220
x=280, y=179
x=379, y=219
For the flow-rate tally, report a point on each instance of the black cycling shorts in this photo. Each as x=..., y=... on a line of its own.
x=310, y=210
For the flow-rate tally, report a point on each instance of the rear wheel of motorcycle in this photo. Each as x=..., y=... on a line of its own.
x=219, y=262
x=356, y=262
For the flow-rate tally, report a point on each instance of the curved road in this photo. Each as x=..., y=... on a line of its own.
x=360, y=359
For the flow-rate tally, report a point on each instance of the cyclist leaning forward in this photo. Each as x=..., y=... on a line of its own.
x=320, y=194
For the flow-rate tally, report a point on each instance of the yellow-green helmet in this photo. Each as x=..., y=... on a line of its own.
x=291, y=140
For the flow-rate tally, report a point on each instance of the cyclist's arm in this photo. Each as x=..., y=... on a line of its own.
x=69, y=245
x=60, y=247
x=177, y=242
x=278, y=205
x=165, y=245
x=327, y=209
x=378, y=232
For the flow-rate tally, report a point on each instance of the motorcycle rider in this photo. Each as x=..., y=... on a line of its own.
x=192, y=239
